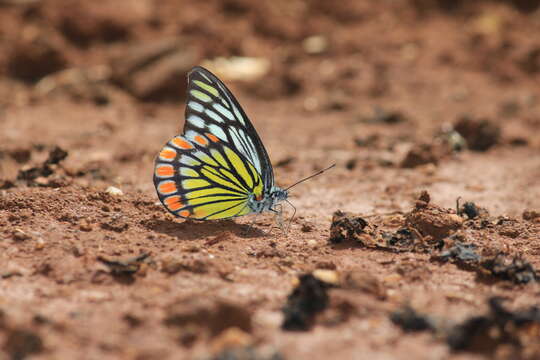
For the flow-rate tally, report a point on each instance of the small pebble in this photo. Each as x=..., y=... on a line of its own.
x=312, y=243
x=114, y=191
x=20, y=235
x=327, y=276
x=40, y=244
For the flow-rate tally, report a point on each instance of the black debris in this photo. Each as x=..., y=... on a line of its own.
x=124, y=267
x=307, y=299
x=382, y=116
x=461, y=254
x=411, y=321
x=481, y=134
x=56, y=155
x=484, y=333
x=515, y=269
x=346, y=227
x=469, y=209
x=402, y=239
x=20, y=343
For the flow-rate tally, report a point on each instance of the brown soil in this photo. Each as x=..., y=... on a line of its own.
x=404, y=96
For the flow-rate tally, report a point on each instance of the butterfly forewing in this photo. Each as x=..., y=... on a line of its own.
x=213, y=109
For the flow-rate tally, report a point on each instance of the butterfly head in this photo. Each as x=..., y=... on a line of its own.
x=267, y=200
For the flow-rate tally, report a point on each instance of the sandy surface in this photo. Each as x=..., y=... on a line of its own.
x=86, y=274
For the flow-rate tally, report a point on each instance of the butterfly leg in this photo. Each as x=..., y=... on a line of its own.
x=279, y=218
x=252, y=223
x=292, y=217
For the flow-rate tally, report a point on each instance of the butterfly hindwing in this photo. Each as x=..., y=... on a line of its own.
x=213, y=109
x=202, y=177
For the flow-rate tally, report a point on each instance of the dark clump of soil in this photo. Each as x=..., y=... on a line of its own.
x=403, y=239
x=421, y=154
x=346, y=227
x=485, y=333
x=308, y=299
x=21, y=343
x=383, y=116
x=124, y=267
x=196, y=318
x=410, y=321
x=480, y=134
x=531, y=215
x=32, y=59
x=471, y=210
x=515, y=269
x=482, y=334
x=499, y=266
x=464, y=255
x=37, y=175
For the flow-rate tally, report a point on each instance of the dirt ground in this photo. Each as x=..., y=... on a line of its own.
x=418, y=102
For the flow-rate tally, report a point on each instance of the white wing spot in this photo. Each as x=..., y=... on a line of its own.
x=238, y=115
x=193, y=105
x=218, y=131
x=196, y=121
x=223, y=111
x=212, y=115
x=204, y=76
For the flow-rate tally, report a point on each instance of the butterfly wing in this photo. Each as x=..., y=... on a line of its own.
x=205, y=178
x=212, y=108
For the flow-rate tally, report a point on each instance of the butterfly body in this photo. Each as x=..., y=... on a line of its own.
x=218, y=168
x=267, y=201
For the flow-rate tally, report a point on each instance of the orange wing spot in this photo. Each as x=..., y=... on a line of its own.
x=184, y=213
x=167, y=154
x=181, y=143
x=199, y=139
x=212, y=137
x=258, y=197
x=165, y=170
x=167, y=187
x=173, y=203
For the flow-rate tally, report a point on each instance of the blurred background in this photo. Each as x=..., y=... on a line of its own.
x=327, y=55
x=403, y=95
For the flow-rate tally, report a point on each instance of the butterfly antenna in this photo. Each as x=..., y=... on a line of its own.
x=311, y=176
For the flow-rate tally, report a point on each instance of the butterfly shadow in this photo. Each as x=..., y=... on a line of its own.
x=194, y=230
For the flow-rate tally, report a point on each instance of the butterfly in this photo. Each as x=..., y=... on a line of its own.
x=218, y=168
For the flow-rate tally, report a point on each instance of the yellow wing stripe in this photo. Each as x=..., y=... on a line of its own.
x=209, y=192
x=239, y=166
x=220, y=159
x=194, y=183
x=200, y=96
x=219, y=210
x=206, y=158
x=212, y=90
x=207, y=199
x=213, y=175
